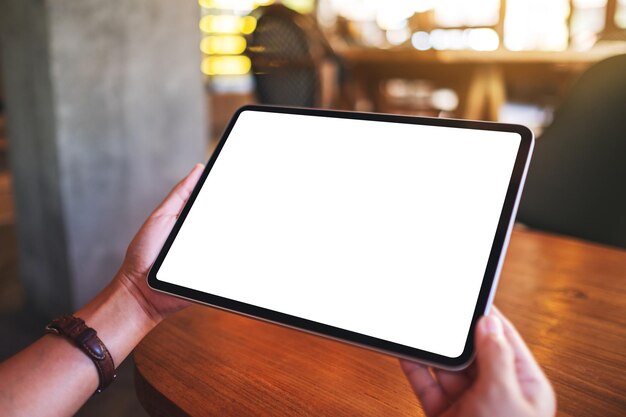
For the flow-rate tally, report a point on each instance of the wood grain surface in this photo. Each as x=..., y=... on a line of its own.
x=567, y=298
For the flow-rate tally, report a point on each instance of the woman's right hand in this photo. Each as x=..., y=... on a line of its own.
x=505, y=379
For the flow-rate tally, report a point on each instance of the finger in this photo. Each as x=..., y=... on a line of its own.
x=494, y=356
x=524, y=358
x=176, y=199
x=533, y=382
x=453, y=383
x=426, y=388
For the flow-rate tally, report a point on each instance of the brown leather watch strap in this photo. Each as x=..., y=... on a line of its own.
x=86, y=339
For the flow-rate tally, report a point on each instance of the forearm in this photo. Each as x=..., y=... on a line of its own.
x=53, y=377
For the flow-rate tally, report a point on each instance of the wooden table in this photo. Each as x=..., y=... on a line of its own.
x=482, y=79
x=567, y=298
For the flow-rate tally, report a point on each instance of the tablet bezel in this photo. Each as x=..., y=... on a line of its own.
x=490, y=278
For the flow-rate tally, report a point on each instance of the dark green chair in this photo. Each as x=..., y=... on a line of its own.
x=576, y=184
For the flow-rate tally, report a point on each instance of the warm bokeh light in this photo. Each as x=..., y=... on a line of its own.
x=528, y=24
x=398, y=36
x=220, y=24
x=248, y=24
x=587, y=4
x=237, y=6
x=227, y=24
x=477, y=39
x=224, y=24
x=381, y=11
x=444, y=39
x=300, y=6
x=394, y=24
x=422, y=6
x=482, y=39
x=393, y=14
x=223, y=45
x=460, y=13
x=527, y=29
x=586, y=22
x=620, y=14
x=444, y=99
x=226, y=65
x=421, y=41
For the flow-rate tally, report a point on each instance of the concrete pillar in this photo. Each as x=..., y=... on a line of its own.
x=105, y=111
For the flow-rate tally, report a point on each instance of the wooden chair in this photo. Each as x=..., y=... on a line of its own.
x=577, y=178
x=290, y=58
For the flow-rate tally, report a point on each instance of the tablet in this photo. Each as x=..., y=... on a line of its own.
x=384, y=231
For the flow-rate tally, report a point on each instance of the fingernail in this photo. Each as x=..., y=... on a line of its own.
x=493, y=325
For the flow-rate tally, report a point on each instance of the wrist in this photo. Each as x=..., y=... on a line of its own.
x=119, y=319
x=150, y=313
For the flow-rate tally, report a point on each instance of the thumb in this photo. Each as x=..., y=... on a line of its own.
x=495, y=357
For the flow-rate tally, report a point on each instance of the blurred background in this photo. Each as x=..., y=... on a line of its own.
x=105, y=105
x=483, y=59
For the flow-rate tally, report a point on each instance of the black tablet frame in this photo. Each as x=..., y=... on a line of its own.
x=490, y=278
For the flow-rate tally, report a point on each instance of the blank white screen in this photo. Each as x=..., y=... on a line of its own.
x=380, y=228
